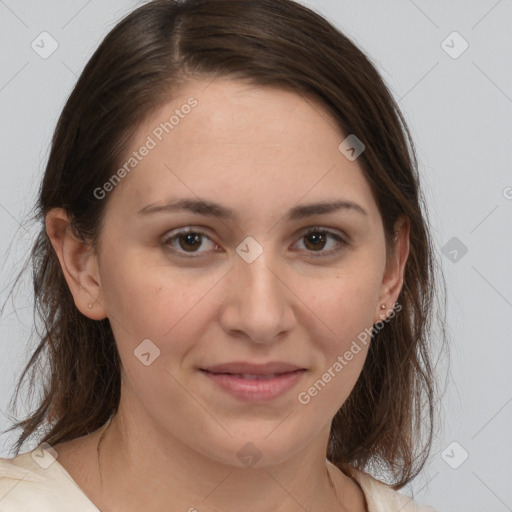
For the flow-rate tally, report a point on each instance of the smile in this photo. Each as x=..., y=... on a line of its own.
x=257, y=385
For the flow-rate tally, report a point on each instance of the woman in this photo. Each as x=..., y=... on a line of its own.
x=235, y=275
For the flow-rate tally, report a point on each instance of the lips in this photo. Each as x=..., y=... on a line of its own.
x=255, y=382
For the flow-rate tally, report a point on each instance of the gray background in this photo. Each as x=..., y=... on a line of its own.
x=459, y=109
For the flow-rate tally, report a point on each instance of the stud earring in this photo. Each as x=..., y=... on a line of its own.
x=382, y=315
x=89, y=306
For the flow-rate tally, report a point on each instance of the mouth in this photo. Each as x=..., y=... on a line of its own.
x=244, y=368
x=249, y=376
x=254, y=383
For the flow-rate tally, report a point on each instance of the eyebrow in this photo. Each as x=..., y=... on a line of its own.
x=212, y=209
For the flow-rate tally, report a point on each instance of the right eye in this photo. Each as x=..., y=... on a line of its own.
x=185, y=241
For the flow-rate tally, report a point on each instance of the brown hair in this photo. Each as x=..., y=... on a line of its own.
x=388, y=419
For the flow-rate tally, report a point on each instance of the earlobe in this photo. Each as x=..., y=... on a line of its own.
x=78, y=262
x=395, y=268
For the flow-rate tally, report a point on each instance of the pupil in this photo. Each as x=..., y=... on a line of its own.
x=319, y=237
x=192, y=239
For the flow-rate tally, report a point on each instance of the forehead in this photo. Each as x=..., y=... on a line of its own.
x=246, y=144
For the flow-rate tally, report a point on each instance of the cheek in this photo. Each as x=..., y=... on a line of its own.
x=346, y=304
x=137, y=294
x=343, y=353
x=345, y=313
x=166, y=305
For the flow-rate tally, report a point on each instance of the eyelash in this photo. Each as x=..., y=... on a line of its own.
x=315, y=229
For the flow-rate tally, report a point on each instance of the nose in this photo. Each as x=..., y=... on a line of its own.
x=258, y=305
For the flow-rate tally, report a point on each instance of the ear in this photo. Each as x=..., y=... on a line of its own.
x=395, y=266
x=78, y=262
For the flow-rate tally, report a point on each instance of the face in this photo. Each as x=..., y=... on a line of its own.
x=227, y=313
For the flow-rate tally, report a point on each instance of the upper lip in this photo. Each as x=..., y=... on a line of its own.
x=274, y=367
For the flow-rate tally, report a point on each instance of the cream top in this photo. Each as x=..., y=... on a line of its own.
x=36, y=482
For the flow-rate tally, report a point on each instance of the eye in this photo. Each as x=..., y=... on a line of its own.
x=316, y=239
x=187, y=241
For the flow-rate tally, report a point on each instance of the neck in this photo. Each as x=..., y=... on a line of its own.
x=143, y=468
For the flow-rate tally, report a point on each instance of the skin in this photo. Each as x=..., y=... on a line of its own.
x=259, y=151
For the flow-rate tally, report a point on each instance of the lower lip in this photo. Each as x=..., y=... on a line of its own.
x=256, y=390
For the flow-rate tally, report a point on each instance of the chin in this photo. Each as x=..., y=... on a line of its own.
x=254, y=450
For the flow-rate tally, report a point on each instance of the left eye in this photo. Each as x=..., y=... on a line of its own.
x=317, y=239
x=187, y=242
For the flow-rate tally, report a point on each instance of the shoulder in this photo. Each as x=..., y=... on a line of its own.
x=382, y=498
x=34, y=481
